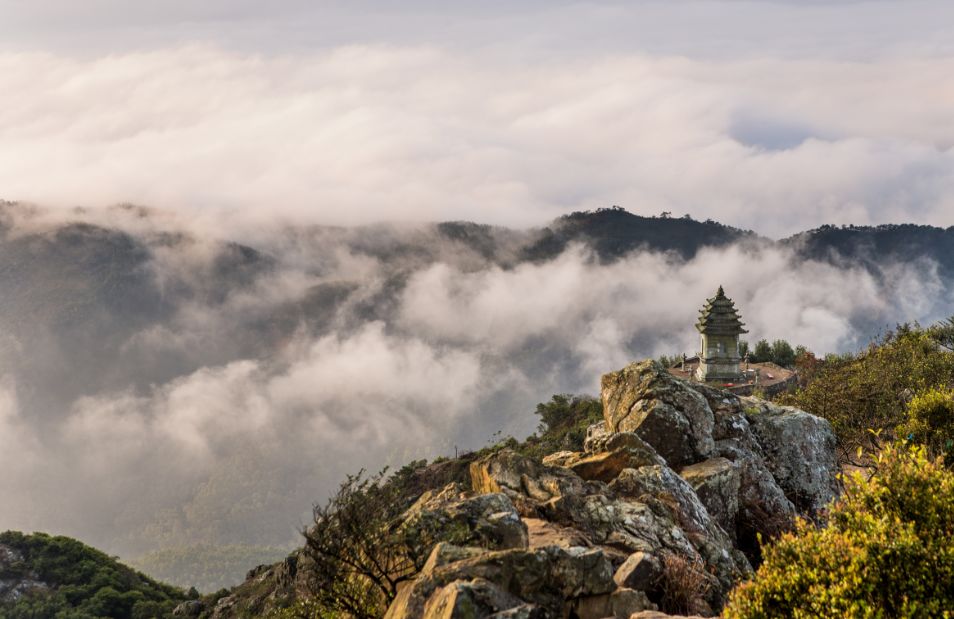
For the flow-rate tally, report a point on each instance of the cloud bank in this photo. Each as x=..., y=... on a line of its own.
x=224, y=417
x=363, y=133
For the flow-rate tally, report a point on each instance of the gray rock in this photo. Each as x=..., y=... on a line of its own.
x=487, y=520
x=640, y=571
x=467, y=599
x=545, y=577
x=664, y=411
x=799, y=451
x=619, y=603
x=716, y=482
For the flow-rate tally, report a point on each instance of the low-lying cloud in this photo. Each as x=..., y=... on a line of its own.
x=225, y=418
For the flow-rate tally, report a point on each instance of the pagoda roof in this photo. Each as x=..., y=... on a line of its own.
x=719, y=316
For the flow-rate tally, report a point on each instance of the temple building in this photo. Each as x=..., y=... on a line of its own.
x=719, y=362
x=719, y=327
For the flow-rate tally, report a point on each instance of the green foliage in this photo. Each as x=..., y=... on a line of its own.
x=208, y=567
x=865, y=396
x=358, y=556
x=886, y=551
x=783, y=354
x=779, y=352
x=82, y=583
x=762, y=352
x=930, y=421
x=563, y=423
x=744, y=349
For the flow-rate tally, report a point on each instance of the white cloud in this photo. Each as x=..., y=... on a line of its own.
x=360, y=134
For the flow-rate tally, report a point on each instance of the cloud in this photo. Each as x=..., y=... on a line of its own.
x=222, y=418
x=367, y=133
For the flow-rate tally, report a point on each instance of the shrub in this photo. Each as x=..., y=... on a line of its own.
x=886, y=551
x=358, y=554
x=865, y=396
x=684, y=585
x=930, y=421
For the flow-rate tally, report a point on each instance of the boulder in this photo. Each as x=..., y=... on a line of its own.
x=640, y=571
x=799, y=450
x=545, y=577
x=716, y=482
x=764, y=510
x=606, y=466
x=672, y=497
x=595, y=432
x=543, y=533
x=619, y=603
x=463, y=599
x=486, y=520
x=520, y=477
x=664, y=411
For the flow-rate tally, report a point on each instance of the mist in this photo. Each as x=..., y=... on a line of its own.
x=183, y=389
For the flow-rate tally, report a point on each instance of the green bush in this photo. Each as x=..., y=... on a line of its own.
x=865, y=396
x=886, y=551
x=930, y=421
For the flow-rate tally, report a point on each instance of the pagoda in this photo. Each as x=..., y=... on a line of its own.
x=720, y=327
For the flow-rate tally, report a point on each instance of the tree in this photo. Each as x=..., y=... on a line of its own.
x=782, y=353
x=762, y=352
x=744, y=349
x=359, y=553
x=886, y=551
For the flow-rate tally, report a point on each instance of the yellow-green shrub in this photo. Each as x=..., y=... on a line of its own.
x=930, y=421
x=887, y=550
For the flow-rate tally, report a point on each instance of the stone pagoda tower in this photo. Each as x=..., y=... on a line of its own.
x=720, y=326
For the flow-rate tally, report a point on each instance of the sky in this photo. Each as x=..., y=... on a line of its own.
x=775, y=116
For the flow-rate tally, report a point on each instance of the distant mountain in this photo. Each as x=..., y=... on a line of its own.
x=45, y=576
x=872, y=245
x=615, y=232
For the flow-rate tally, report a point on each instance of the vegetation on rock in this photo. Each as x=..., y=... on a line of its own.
x=866, y=396
x=886, y=551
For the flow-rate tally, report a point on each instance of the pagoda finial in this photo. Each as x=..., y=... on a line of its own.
x=721, y=292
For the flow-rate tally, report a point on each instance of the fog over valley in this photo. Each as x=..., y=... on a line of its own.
x=163, y=387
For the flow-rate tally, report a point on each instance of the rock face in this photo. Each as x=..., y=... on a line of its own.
x=664, y=411
x=678, y=477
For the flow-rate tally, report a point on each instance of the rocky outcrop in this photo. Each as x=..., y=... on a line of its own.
x=485, y=520
x=547, y=578
x=678, y=476
x=664, y=411
x=716, y=482
x=799, y=451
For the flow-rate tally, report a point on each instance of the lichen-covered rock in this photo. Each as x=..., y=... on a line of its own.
x=595, y=432
x=544, y=533
x=486, y=520
x=664, y=411
x=799, y=450
x=469, y=599
x=716, y=482
x=619, y=603
x=764, y=510
x=607, y=465
x=661, y=488
x=545, y=577
x=519, y=476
